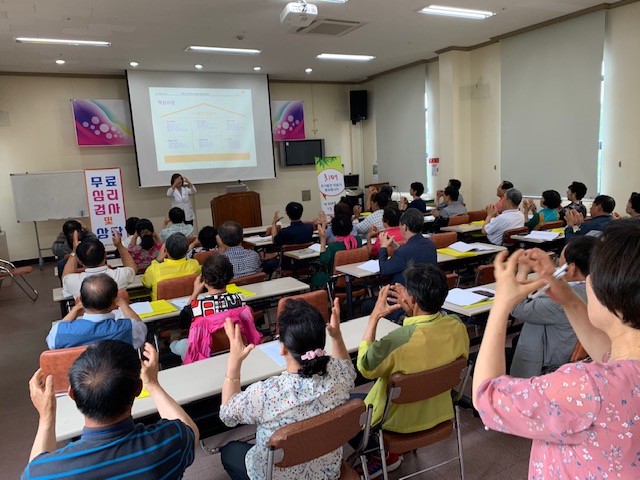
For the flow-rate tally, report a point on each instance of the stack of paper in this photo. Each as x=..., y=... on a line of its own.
x=468, y=247
x=258, y=238
x=542, y=235
x=315, y=247
x=372, y=266
x=465, y=297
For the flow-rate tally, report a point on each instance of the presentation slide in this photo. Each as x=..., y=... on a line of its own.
x=210, y=127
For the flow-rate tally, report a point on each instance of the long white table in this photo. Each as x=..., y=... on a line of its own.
x=464, y=228
x=262, y=290
x=189, y=383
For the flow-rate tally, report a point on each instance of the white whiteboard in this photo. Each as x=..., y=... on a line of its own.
x=49, y=195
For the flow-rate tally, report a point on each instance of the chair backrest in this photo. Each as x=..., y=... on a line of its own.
x=484, y=275
x=314, y=437
x=550, y=225
x=202, y=256
x=57, y=363
x=458, y=220
x=506, y=236
x=317, y=298
x=176, y=287
x=579, y=353
x=477, y=215
x=442, y=240
x=453, y=279
x=249, y=279
x=345, y=257
x=413, y=387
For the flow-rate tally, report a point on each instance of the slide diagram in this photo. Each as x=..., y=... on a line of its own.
x=198, y=128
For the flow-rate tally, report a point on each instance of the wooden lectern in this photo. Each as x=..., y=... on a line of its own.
x=241, y=207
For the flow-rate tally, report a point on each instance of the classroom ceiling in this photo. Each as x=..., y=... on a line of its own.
x=155, y=33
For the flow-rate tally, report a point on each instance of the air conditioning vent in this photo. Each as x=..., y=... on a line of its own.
x=332, y=28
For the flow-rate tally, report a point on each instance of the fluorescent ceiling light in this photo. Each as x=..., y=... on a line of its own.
x=308, y=70
x=340, y=56
x=228, y=51
x=198, y=66
x=60, y=61
x=60, y=41
x=257, y=69
x=456, y=12
x=134, y=64
x=333, y=1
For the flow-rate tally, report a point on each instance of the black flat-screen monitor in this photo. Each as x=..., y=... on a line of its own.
x=351, y=181
x=300, y=152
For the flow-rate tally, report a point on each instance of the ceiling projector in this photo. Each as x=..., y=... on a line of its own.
x=298, y=14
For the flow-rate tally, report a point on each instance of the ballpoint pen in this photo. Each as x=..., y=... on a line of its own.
x=559, y=273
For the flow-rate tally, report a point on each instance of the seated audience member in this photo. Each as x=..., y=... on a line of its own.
x=416, y=190
x=633, y=205
x=425, y=329
x=500, y=191
x=452, y=208
x=340, y=208
x=297, y=232
x=205, y=242
x=457, y=184
x=341, y=225
x=91, y=253
x=416, y=249
x=98, y=297
x=217, y=271
x=380, y=200
x=130, y=228
x=391, y=223
x=550, y=202
x=601, y=212
x=547, y=339
x=145, y=244
x=386, y=189
x=171, y=263
x=312, y=383
x=63, y=244
x=582, y=418
x=511, y=217
x=575, y=193
x=174, y=223
x=105, y=379
x=245, y=262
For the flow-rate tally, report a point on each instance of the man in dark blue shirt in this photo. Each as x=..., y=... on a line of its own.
x=296, y=233
x=104, y=381
x=601, y=214
x=416, y=249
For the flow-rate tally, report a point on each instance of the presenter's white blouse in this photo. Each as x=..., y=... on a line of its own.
x=180, y=199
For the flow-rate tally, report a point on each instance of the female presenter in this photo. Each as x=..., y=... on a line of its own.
x=180, y=195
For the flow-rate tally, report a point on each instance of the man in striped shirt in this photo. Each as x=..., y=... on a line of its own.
x=104, y=380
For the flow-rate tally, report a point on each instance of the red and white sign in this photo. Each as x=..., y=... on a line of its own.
x=106, y=202
x=434, y=162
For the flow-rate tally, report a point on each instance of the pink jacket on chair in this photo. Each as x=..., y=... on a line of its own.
x=202, y=328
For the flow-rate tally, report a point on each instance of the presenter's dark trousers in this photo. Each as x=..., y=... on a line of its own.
x=232, y=456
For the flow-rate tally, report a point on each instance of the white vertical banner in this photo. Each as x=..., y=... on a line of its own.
x=106, y=202
x=330, y=182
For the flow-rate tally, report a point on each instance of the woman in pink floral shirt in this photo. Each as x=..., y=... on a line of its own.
x=148, y=248
x=583, y=418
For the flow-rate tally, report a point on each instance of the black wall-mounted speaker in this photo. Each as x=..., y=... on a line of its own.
x=358, y=105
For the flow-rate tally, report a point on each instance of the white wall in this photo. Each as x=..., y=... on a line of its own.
x=621, y=137
x=40, y=137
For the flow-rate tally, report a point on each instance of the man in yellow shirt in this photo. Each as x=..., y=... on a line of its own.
x=426, y=340
x=171, y=263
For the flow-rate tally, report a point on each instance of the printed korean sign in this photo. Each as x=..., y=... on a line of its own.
x=330, y=181
x=106, y=202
